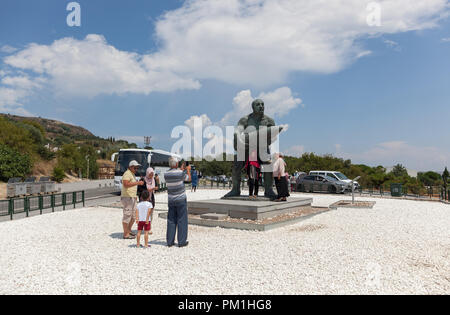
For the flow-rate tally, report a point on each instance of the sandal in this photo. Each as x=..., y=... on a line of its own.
x=129, y=237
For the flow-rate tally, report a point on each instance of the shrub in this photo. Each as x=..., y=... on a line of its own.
x=58, y=174
x=13, y=164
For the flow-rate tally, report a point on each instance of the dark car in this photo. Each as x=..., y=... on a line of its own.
x=320, y=183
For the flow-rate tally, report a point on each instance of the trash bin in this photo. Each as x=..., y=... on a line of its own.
x=396, y=190
x=33, y=188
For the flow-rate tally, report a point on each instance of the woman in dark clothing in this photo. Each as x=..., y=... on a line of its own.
x=280, y=175
x=253, y=172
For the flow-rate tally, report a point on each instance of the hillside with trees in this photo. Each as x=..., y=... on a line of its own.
x=39, y=146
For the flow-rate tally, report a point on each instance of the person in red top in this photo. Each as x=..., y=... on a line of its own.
x=253, y=172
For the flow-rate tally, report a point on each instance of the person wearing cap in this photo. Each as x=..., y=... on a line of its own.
x=177, y=216
x=129, y=198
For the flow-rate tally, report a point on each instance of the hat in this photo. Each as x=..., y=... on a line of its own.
x=134, y=163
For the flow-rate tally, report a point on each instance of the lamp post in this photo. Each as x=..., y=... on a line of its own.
x=353, y=188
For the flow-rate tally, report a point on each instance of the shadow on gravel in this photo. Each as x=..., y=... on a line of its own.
x=160, y=242
x=117, y=236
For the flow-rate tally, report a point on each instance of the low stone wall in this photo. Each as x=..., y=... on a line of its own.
x=85, y=185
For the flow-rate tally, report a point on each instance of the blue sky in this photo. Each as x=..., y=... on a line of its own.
x=374, y=94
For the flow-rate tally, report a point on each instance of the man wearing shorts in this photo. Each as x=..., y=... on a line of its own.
x=129, y=198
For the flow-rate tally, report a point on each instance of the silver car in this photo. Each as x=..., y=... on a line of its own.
x=321, y=183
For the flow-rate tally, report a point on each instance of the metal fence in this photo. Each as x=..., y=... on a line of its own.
x=40, y=203
x=432, y=193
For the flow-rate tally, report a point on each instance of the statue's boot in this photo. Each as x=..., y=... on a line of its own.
x=236, y=190
x=233, y=193
x=268, y=186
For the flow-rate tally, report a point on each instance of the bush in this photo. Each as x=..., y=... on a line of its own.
x=58, y=174
x=16, y=137
x=13, y=164
x=46, y=154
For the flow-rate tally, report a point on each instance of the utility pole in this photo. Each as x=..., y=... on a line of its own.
x=147, y=141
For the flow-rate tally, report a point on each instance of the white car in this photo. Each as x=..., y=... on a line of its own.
x=338, y=176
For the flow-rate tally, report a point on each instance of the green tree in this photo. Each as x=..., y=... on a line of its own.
x=399, y=171
x=430, y=178
x=58, y=174
x=445, y=177
x=13, y=163
x=16, y=137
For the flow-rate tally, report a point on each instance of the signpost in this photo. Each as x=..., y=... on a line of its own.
x=353, y=188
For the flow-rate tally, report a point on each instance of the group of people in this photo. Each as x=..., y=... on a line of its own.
x=253, y=169
x=138, y=197
x=138, y=201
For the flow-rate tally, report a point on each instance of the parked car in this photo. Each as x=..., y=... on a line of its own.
x=321, y=183
x=338, y=176
x=223, y=179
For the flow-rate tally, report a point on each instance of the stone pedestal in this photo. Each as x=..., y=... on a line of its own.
x=245, y=208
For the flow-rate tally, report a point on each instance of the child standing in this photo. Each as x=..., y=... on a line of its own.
x=143, y=213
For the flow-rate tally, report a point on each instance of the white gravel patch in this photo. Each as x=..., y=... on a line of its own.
x=399, y=247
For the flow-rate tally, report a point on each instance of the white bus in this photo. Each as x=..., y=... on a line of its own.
x=157, y=159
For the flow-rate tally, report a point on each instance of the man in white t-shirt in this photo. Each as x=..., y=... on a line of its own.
x=143, y=214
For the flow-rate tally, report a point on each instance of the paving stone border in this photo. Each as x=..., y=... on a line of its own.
x=349, y=204
x=250, y=225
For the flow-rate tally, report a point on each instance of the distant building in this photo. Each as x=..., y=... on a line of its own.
x=105, y=169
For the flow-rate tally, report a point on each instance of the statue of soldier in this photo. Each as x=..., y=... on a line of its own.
x=247, y=139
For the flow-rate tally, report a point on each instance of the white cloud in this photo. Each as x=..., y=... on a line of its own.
x=15, y=90
x=23, y=82
x=446, y=40
x=295, y=151
x=206, y=121
x=261, y=41
x=11, y=101
x=8, y=49
x=393, y=152
x=278, y=103
x=91, y=67
x=393, y=45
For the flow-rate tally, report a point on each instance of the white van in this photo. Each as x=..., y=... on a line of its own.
x=337, y=176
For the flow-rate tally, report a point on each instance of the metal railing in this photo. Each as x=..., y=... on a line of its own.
x=30, y=204
x=430, y=193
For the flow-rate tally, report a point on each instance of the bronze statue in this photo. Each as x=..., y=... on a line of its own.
x=254, y=132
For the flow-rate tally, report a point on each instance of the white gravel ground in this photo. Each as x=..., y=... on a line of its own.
x=399, y=247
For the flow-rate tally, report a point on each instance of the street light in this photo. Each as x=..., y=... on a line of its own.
x=353, y=188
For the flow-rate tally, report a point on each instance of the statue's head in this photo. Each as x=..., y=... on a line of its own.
x=258, y=106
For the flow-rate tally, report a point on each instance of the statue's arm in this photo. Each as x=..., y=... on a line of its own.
x=270, y=122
